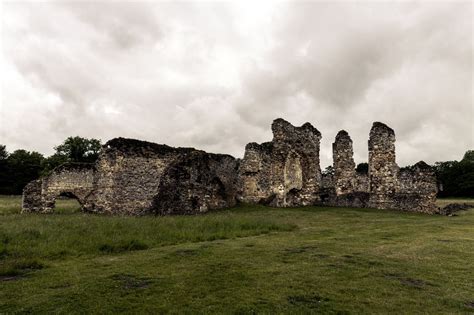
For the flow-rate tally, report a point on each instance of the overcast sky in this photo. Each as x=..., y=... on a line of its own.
x=214, y=75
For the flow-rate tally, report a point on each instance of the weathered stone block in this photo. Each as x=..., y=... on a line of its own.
x=196, y=183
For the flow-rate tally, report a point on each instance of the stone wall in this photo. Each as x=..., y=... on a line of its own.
x=138, y=177
x=416, y=190
x=361, y=182
x=31, y=200
x=255, y=173
x=345, y=188
x=383, y=170
x=344, y=166
x=133, y=177
x=129, y=175
x=284, y=172
x=74, y=180
x=409, y=190
x=196, y=183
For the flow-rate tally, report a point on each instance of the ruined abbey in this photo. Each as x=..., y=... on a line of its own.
x=133, y=177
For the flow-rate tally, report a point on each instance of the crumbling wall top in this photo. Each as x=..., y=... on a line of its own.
x=283, y=129
x=342, y=135
x=381, y=128
x=253, y=146
x=142, y=148
x=422, y=165
x=74, y=166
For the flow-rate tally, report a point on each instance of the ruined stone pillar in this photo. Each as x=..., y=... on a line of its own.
x=254, y=173
x=295, y=170
x=383, y=170
x=32, y=197
x=344, y=166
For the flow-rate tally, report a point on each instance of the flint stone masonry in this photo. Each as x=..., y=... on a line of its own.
x=255, y=173
x=416, y=190
x=344, y=166
x=383, y=171
x=72, y=180
x=345, y=188
x=197, y=182
x=31, y=199
x=409, y=190
x=284, y=172
x=133, y=177
x=138, y=177
x=361, y=182
x=129, y=175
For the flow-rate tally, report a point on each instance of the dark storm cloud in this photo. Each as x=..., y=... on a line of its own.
x=215, y=75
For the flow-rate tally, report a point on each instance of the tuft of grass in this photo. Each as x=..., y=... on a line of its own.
x=19, y=267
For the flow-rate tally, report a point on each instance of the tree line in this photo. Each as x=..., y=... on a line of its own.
x=455, y=178
x=20, y=167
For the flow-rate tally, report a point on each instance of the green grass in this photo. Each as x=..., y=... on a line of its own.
x=245, y=260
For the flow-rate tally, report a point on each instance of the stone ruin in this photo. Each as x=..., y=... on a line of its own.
x=283, y=172
x=133, y=177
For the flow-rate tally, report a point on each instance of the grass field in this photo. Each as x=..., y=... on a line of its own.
x=245, y=260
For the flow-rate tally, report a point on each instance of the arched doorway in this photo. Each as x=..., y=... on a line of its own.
x=66, y=202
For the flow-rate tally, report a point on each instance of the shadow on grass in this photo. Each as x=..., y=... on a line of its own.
x=122, y=246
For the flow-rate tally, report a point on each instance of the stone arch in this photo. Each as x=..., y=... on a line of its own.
x=71, y=179
x=51, y=199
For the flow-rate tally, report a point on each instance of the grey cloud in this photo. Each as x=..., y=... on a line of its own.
x=419, y=53
x=214, y=76
x=125, y=24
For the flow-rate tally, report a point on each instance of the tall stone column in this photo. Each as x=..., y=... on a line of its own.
x=383, y=170
x=343, y=163
x=296, y=174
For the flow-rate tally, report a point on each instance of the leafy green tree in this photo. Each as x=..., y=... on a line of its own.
x=4, y=174
x=468, y=157
x=77, y=149
x=456, y=178
x=73, y=149
x=52, y=162
x=3, y=153
x=22, y=167
x=329, y=171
